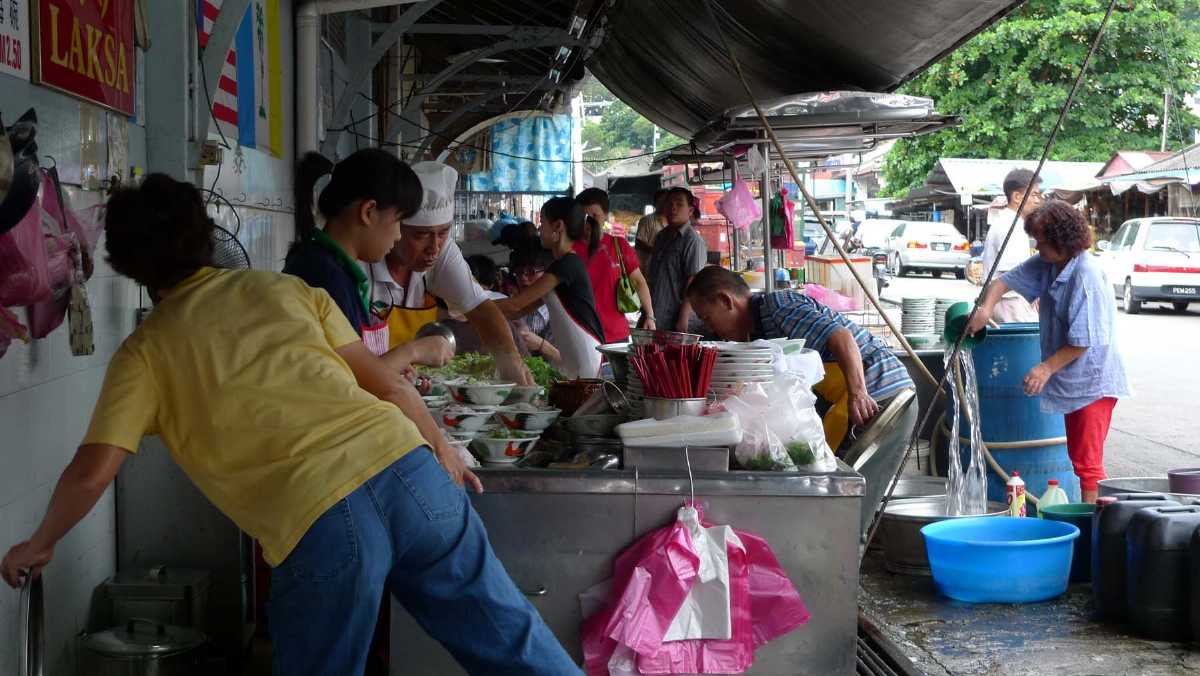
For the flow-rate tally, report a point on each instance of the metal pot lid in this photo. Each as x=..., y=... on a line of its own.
x=142, y=638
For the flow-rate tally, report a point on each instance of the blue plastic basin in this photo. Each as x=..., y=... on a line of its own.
x=1000, y=559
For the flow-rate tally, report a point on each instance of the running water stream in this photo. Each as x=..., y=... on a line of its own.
x=966, y=491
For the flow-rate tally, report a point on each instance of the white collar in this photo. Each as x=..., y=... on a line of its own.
x=380, y=273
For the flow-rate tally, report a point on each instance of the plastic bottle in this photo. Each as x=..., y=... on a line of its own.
x=1016, y=495
x=1054, y=495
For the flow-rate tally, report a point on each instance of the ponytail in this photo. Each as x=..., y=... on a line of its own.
x=571, y=214
x=367, y=174
x=311, y=168
x=593, y=235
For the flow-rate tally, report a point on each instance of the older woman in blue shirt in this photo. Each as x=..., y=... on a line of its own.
x=1081, y=374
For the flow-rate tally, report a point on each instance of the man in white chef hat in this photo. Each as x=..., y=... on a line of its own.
x=426, y=264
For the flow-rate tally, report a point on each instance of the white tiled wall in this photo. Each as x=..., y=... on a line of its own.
x=46, y=397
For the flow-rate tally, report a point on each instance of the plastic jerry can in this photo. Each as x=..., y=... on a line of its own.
x=1194, y=556
x=1157, y=568
x=1108, y=550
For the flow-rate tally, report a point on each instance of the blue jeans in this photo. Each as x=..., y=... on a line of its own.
x=411, y=531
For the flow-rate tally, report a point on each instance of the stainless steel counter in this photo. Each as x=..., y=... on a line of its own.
x=558, y=532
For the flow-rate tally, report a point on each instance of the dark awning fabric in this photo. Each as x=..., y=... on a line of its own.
x=665, y=58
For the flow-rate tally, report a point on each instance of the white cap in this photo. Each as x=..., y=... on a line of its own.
x=438, y=181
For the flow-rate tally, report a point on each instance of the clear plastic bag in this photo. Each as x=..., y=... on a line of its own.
x=739, y=206
x=781, y=430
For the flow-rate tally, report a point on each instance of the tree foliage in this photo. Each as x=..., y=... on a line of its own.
x=1010, y=82
x=621, y=130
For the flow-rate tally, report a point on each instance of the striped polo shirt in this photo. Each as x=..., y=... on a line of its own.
x=787, y=314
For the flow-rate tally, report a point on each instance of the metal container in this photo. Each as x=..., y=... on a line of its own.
x=900, y=531
x=586, y=518
x=661, y=337
x=143, y=648
x=1144, y=484
x=1186, y=480
x=32, y=633
x=701, y=458
x=664, y=409
x=177, y=596
x=919, y=487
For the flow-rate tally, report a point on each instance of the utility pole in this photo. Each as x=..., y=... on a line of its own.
x=1166, y=119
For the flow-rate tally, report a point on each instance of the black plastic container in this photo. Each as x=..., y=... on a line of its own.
x=1195, y=572
x=1157, y=584
x=1108, y=551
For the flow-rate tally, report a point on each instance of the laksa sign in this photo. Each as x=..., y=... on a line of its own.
x=85, y=47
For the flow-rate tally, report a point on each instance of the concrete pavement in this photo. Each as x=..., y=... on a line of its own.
x=1156, y=429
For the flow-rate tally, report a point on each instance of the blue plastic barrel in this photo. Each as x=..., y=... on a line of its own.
x=1008, y=415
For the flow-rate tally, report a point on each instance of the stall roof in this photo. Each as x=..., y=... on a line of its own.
x=985, y=177
x=682, y=79
x=1182, y=167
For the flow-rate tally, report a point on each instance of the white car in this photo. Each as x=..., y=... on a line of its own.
x=927, y=245
x=1154, y=260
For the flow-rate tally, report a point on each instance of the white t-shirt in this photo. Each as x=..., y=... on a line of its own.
x=1018, y=249
x=449, y=279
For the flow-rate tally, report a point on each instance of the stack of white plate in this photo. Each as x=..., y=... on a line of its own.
x=939, y=313
x=635, y=393
x=918, y=316
x=739, y=364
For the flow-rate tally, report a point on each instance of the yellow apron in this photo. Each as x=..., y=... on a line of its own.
x=834, y=391
x=404, y=322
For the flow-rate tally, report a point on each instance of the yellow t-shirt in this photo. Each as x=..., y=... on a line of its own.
x=236, y=371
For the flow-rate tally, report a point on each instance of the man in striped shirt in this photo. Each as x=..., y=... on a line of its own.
x=870, y=374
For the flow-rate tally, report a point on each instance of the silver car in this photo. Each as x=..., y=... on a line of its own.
x=927, y=245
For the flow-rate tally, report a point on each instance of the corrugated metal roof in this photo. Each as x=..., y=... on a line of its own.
x=986, y=176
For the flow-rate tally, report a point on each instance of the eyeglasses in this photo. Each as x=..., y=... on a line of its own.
x=527, y=272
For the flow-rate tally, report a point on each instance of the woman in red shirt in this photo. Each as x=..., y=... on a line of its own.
x=604, y=254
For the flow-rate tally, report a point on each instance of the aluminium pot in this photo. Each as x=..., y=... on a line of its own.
x=143, y=648
x=900, y=531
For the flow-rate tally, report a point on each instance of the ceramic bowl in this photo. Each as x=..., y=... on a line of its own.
x=518, y=418
x=523, y=394
x=502, y=451
x=462, y=422
x=480, y=394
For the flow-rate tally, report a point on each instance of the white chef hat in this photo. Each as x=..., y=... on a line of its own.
x=438, y=182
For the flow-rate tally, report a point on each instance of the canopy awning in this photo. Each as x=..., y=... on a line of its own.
x=666, y=60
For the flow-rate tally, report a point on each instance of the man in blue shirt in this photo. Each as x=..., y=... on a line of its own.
x=861, y=372
x=1081, y=374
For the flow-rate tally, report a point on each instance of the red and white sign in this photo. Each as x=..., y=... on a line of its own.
x=85, y=48
x=14, y=38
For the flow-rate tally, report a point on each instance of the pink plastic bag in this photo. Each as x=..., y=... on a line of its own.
x=24, y=276
x=709, y=656
x=739, y=206
x=651, y=579
x=764, y=605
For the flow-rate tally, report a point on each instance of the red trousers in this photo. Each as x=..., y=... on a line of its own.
x=1087, y=429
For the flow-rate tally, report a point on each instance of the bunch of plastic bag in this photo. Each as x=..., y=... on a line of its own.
x=691, y=598
x=781, y=430
x=739, y=206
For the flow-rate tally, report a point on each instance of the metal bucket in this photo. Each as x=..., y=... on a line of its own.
x=900, y=531
x=665, y=409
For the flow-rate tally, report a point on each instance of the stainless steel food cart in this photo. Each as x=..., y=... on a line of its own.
x=558, y=532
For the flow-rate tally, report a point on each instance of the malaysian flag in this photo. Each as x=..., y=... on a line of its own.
x=247, y=105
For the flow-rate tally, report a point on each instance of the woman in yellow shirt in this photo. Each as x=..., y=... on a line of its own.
x=281, y=416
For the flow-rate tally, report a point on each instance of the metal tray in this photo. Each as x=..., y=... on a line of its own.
x=703, y=458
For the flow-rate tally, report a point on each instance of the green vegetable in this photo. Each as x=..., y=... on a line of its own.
x=476, y=367
x=801, y=453
x=759, y=463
